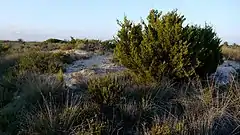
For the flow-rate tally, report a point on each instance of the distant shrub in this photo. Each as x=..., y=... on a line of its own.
x=164, y=47
x=89, y=44
x=42, y=62
x=48, y=46
x=4, y=48
x=53, y=40
x=60, y=75
x=73, y=41
x=109, y=44
x=67, y=46
x=88, y=41
x=21, y=41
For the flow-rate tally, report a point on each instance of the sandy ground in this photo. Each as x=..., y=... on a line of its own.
x=92, y=64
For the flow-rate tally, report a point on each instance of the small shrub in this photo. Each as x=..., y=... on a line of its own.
x=42, y=62
x=107, y=89
x=67, y=47
x=89, y=45
x=94, y=65
x=60, y=75
x=160, y=130
x=53, y=40
x=72, y=41
x=4, y=48
x=21, y=41
x=48, y=47
x=109, y=44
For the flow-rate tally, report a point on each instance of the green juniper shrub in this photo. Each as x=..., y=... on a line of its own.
x=164, y=47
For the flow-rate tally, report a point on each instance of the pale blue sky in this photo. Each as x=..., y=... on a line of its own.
x=41, y=19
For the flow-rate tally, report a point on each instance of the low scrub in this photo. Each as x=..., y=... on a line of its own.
x=107, y=89
x=21, y=94
x=43, y=62
x=67, y=46
x=35, y=102
x=43, y=106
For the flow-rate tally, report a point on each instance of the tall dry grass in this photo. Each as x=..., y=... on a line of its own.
x=231, y=52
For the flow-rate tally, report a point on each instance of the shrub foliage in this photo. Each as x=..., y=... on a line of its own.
x=164, y=46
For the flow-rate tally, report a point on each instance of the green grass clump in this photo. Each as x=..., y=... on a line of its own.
x=107, y=89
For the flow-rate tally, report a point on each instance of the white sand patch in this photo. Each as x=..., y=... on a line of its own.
x=95, y=64
x=226, y=72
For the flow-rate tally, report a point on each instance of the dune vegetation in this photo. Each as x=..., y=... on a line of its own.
x=164, y=90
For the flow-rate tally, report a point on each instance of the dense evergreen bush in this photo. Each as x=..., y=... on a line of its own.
x=204, y=46
x=165, y=47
